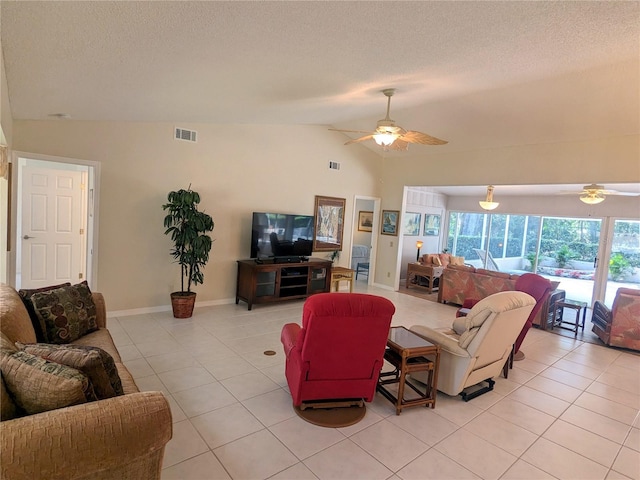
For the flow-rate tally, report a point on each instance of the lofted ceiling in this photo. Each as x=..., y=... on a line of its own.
x=478, y=74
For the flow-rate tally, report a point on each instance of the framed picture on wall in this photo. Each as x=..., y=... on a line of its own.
x=411, y=223
x=431, y=224
x=390, y=222
x=365, y=221
x=329, y=224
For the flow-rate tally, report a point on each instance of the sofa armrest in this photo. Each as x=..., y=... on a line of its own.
x=88, y=440
x=101, y=309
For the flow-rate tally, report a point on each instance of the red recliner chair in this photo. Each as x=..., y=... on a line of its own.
x=536, y=286
x=338, y=352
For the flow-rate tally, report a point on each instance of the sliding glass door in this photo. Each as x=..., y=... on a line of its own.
x=590, y=258
x=622, y=257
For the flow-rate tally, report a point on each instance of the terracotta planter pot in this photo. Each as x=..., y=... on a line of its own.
x=182, y=304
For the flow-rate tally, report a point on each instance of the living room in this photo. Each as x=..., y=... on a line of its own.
x=545, y=101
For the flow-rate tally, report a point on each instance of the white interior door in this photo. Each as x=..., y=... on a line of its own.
x=52, y=227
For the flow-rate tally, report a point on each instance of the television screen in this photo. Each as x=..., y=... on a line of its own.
x=281, y=235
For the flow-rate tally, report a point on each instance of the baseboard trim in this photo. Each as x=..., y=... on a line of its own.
x=165, y=308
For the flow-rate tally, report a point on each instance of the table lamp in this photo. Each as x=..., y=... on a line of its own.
x=419, y=245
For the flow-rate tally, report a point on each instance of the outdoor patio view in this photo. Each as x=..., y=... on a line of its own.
x=561, y=249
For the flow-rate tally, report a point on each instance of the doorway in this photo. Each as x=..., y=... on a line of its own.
x=55, y=221
x=362, y=258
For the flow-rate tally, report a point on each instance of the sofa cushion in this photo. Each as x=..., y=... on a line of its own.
x=37, y=385
x=94, y=362
x=65, y=313
x=456, y=260
x=8, y=408
x=25, y=295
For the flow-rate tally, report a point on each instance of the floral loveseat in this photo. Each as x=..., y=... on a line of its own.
x=120, y=437
x=459, y=282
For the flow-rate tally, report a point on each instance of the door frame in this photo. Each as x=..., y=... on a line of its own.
x=92, y=212
x=374, y=237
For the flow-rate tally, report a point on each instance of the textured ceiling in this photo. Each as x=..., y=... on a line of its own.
x=478, y=74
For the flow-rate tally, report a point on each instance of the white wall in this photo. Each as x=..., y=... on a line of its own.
x=419, y=201
x=237, y=169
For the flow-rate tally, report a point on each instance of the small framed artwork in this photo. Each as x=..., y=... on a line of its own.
x=390, y=222
x=365, y=221
x=411, y=223
x=329, y=223
x=431, y=224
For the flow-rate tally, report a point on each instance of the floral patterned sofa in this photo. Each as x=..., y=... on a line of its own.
x=620, y=326
x=459, y=282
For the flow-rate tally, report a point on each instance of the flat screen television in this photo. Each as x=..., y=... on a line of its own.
x=281, y=235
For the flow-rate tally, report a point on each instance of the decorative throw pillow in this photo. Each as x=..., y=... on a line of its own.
x=37, y=385
x=66, y=313
x=436, y=260
x=94, y=362
x=25, y=295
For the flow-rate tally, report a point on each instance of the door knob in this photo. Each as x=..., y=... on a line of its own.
x=27, y=237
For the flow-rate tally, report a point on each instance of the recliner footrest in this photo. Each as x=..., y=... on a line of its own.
x=476, y=393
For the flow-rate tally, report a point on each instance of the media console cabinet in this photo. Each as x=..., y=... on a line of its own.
x=273, y=281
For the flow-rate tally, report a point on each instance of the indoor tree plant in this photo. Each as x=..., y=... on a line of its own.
x=188, y=229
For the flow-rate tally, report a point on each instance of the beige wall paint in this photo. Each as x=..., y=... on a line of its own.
x=237, y=169
x=240, y=168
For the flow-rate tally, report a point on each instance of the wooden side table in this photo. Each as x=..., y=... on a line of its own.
x=576, y=305
x=339, y=274
x=408, y=352
x=430, y=272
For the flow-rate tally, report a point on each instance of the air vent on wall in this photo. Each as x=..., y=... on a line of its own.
x=187, y=135
x=334, y=165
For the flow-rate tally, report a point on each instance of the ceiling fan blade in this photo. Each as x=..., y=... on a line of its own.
x=349, y=131
x=615, y=192
x=361, y=139
x=421, y=138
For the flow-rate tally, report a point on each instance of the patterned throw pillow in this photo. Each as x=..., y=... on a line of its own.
x=66, y=313
x=94, y=362
x=25, y=295
x=37, y=385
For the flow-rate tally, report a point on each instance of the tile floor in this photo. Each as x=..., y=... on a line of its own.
x=570, y=410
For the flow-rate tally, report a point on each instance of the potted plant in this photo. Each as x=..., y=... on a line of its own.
x=188, y=229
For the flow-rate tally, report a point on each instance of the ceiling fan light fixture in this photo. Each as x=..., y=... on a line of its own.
x=592, y=198
x=385, y=139
x=488, y=203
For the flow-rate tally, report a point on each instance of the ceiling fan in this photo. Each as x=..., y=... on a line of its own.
x=593, y=193
x=391, y=136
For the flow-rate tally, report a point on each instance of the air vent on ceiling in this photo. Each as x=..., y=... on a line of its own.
x=334, y=165
x=187, y=135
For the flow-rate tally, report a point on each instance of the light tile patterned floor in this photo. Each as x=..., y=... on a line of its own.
x=569, y=410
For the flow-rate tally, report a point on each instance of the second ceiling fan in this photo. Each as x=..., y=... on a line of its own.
x=391, y=136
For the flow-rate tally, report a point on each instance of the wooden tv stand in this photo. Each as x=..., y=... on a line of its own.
x=279, y=280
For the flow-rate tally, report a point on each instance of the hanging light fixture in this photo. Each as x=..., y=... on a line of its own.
x=385, y=139
x=592, y=198
x=488, y=203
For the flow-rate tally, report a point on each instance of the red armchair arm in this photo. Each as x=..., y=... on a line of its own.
x=289, y=337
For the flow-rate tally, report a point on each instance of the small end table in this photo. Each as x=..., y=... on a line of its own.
x=339, y=274
x=431, y=272
x=409, y=352
x=576, y=305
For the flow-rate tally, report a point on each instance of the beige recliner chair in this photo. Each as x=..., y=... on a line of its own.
x=477, y=346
